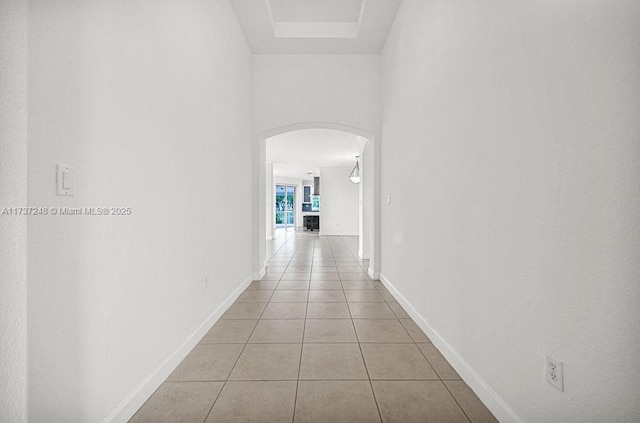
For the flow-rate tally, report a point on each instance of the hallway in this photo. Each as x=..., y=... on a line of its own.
x=314, y=341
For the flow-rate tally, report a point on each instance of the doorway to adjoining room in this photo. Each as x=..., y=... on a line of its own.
x=285, y=216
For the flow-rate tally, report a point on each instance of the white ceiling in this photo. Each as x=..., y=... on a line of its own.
x=316, y=10
x=295, y=153
x=316, y=26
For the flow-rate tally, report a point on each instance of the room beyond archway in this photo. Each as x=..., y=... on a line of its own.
x=311, y=164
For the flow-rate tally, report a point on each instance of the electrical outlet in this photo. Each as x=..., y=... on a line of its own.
x=553, y=373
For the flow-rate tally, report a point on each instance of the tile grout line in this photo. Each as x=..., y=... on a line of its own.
x=375, y=400
x=237, y=359
x=456, y=401
x=304, y=327
x=387, y=302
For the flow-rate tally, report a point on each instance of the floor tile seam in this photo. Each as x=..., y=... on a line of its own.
x=304, y=326
x=214, y=402
x=375, y=400
x=456, y=401
x=232, y=368
x=423, y=354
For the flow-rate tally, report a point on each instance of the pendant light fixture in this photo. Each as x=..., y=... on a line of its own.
x=355, y=173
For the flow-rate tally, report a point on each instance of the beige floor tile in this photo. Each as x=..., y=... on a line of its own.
x=381, y=330
x=292, y=285
x=207, y=362
x=243, y=402
x=370, y=311
x=378, y=284
x=324, y=264
x=329, y=330
x=298, y=268
x=357, y=285
x=229, y=332
x=276, y=269
x=335, y=402
x=296, y=276
x=268, y=362
x=416, y=402
x=249, y=311
x=470, y=403
x=271, y=276
x=323, y=260
x=285, y=311
x=349, y=267
x=396, y=362
x=187, y=402
x=399, y=311
x=438, y=362
x=354, y=276
x=324, y=269
x=363, y=296
x=327, y=311
x=387, y=296
x=263, y=285
x=325, y=277
x=290, y=296
x=345, y=260
x=414, y=331
x=254, y=296
x=332, y=362
x=277, y=332
x=325, y=285
x=326, y=296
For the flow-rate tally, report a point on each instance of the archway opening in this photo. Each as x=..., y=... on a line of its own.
x=293, y=158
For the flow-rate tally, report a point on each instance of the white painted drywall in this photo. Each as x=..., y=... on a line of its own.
x=13, y=228
x=150, y=102
x=316, y=91
x=339, y=202
x=269, y=196
x=510, y=150
x=293, y=89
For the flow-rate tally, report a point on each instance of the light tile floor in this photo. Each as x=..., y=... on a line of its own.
x=314, y=341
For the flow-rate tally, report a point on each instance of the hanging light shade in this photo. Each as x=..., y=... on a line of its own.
x=355, y=173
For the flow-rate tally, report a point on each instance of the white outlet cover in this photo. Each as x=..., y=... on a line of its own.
x=553, y=372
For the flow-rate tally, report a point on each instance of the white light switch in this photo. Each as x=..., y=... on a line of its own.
x=64, y=180
x=67, y=181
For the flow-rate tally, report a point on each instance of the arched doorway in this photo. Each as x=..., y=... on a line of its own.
x=368, y=232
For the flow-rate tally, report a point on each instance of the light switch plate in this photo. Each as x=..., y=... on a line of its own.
x=64, y=180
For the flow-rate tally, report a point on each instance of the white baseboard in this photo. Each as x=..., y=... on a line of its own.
x=487, y=395
x=130, y=405
x=373, y=274
x=260, y=274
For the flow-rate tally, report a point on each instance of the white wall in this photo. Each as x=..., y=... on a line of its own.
x=292, y=89
x=315, y=91
x=270, y=214
x=510, y=149
x=150, y=102
x=339, y=202
x=13, y=193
